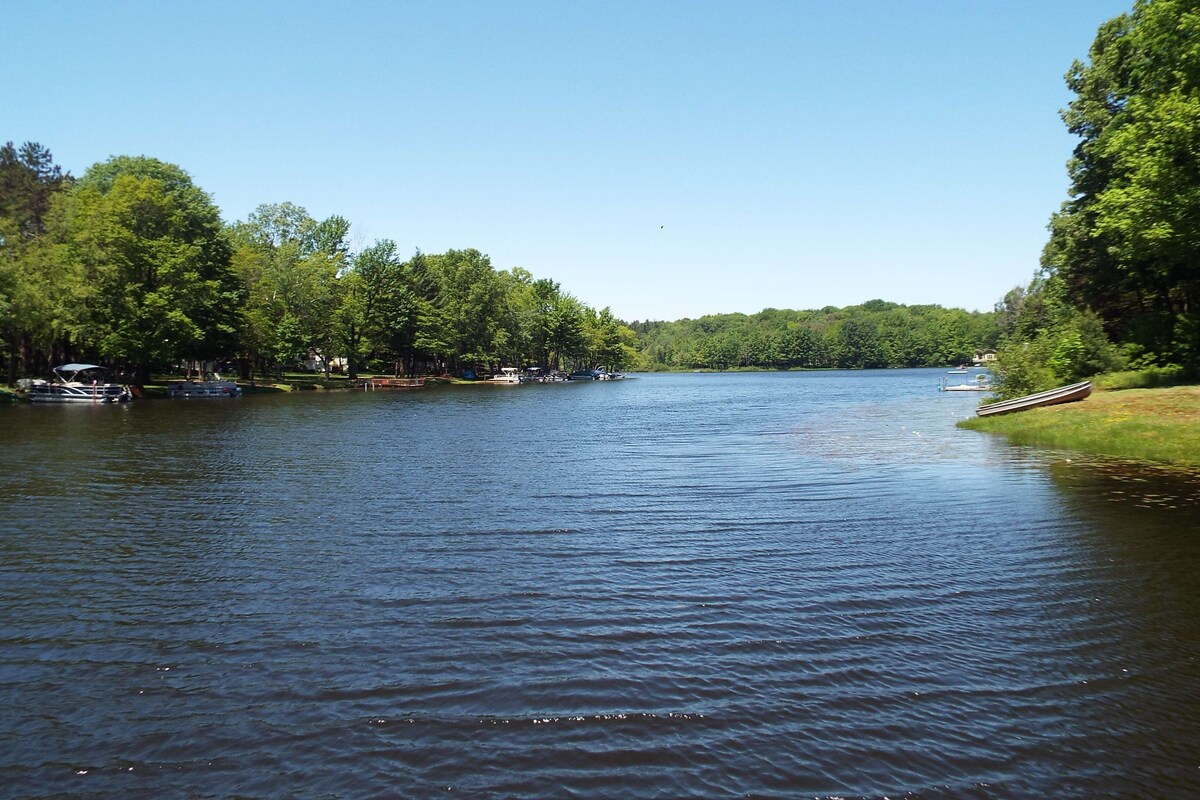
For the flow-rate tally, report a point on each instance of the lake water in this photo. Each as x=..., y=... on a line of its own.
x=750, y=585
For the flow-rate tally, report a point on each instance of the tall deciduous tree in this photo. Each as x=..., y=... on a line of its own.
x=156, y=268
x=33, y=282
x=1126, y=242
x=289, y=264
x=379, y=311
x=470, y=295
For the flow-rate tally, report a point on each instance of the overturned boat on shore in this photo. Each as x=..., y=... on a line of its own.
x=1063, y=394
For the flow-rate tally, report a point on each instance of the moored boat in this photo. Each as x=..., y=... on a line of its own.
x=1063, y=394
x=78, y=383
x=980, y=385
x=213, y=388
x=371, y=384
x=542, y=375
x=507, y=375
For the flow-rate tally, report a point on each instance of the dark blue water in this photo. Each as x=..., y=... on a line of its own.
x=760, y=585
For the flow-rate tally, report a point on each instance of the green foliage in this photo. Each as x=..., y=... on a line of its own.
x=875, y=334
x=380, y=313
x=290, y=342
x=609, y=343
x=289, y=264
x=1148, y=378
x=1124, y=244
x=1072, y=346
x=1120, y=265
x=153, y=270
x=470, y=296
x=132, y=266
x=1083, y=349
x=32, y=314
x=29, y=178
x=1022, y=368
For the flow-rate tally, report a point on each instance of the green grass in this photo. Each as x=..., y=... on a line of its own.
x=1161, y=425
x=1150, y=378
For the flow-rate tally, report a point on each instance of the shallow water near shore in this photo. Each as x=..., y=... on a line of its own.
x=763, y=585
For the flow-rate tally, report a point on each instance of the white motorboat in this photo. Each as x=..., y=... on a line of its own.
x=507, y=375
x=981, y=384
x=78, y=383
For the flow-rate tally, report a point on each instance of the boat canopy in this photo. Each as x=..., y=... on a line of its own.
x=77, y=367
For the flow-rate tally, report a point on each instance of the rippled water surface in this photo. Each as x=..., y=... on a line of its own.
x=770, y=585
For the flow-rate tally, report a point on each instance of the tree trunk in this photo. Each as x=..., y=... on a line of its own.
x=14, y=357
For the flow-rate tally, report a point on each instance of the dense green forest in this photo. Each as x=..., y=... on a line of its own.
x=1119, y=284
x=872, y=335
x=131, y=265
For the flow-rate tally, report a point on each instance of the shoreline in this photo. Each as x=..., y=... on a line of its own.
x=1158, y=425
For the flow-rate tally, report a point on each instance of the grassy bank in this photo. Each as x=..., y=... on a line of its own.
x=1160, y=425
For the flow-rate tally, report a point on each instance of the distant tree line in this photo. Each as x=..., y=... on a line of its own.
x=131, y=266
x=873, y=335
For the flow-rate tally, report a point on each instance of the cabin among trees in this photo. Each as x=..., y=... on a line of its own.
x=983, y=357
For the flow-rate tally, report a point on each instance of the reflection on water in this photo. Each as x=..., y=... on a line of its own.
x=1129, y=488
x=770, y=585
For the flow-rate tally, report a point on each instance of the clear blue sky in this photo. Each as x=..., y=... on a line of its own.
x=667, y=159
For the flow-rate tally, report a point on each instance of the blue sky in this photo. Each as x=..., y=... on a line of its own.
x=666, y=159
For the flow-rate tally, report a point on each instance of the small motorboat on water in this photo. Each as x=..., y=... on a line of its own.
x=981, y=384
x=77, y=383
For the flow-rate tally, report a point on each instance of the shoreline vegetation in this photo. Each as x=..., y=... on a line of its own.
x=1161, y=425
x=132, y=267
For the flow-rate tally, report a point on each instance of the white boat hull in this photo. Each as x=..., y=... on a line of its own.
x=508, y=375
x=102, y=393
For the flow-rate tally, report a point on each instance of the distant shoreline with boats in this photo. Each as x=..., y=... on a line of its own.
x=1160, y=425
